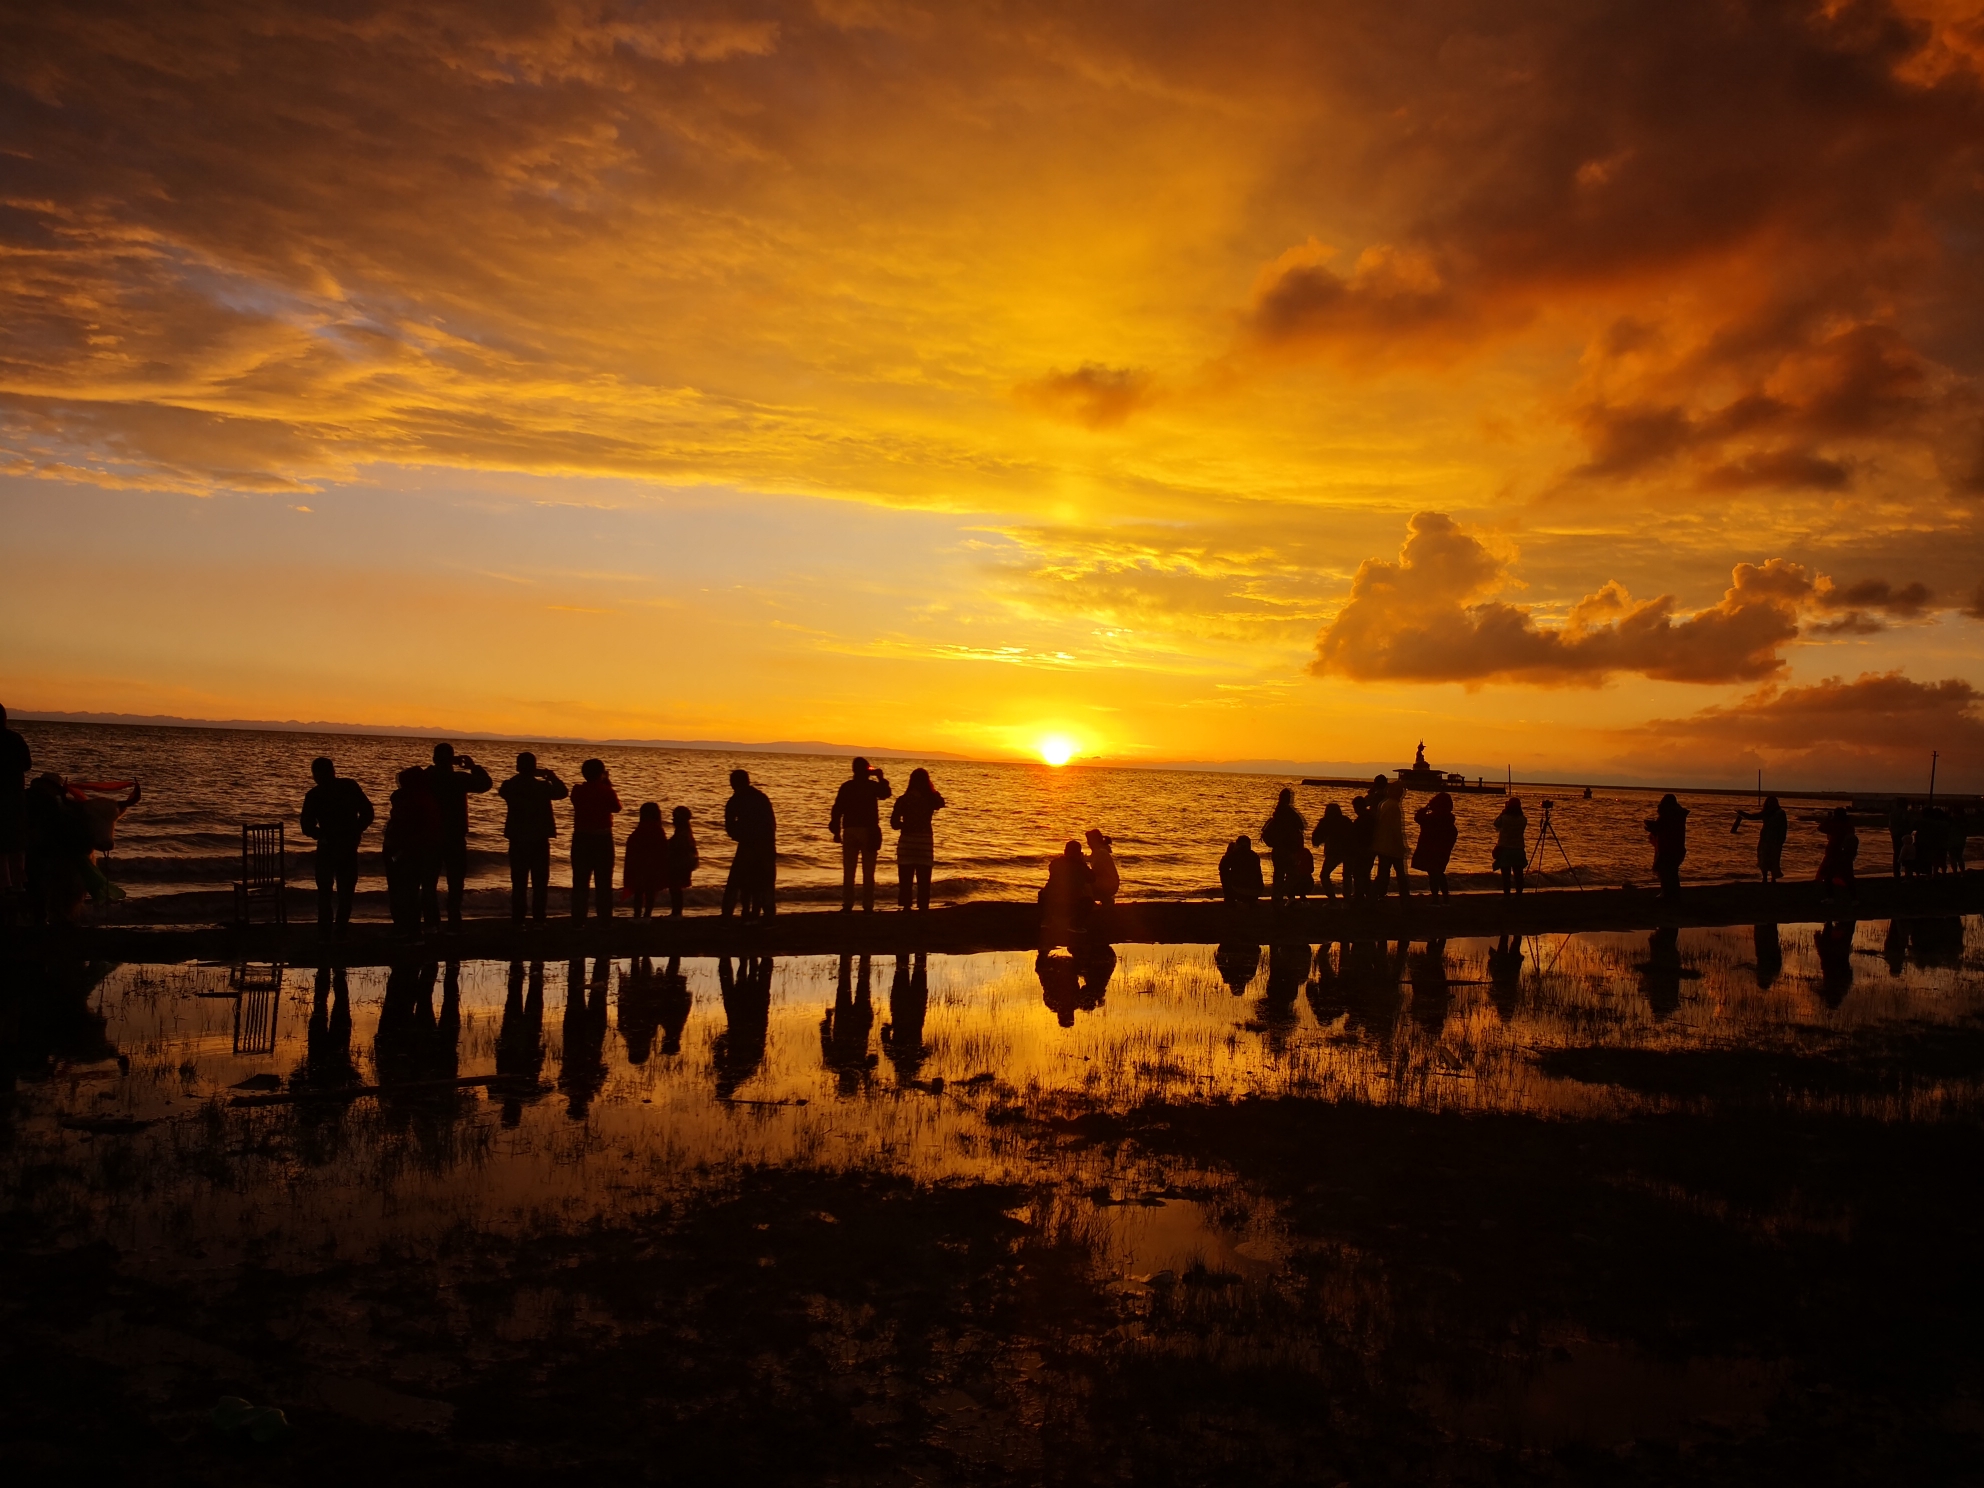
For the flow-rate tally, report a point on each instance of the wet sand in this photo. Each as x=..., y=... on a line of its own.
x=997, y=925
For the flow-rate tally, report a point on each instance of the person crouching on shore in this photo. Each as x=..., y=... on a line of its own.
x=1067, y=900
x=1240, y=874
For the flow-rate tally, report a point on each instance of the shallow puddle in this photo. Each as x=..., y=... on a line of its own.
x=1252, y=1155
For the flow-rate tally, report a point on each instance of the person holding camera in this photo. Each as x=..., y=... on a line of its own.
x=594, y=805
x=451, y=780
x=529, y=826
x=856, y=824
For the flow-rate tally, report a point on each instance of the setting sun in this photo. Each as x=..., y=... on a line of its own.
x=1056, y=749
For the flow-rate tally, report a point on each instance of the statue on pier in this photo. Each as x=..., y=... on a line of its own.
x=1419, y=759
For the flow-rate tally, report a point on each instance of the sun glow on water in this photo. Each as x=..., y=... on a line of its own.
x=1056, y=749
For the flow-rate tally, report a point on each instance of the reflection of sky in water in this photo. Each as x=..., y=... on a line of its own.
x=640, y=1080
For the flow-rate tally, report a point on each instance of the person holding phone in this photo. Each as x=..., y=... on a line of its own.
x=530, y=826
x=856, y=824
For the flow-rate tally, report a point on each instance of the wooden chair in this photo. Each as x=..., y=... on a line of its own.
x=264, y=872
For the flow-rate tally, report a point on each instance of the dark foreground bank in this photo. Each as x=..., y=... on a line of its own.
x=1016, y=926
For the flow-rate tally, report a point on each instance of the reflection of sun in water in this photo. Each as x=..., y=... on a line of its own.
x=1056, y=749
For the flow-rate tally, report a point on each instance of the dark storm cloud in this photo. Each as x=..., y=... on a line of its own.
x=1836, y=730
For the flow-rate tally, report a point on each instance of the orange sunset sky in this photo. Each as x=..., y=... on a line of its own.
x=1591, y=387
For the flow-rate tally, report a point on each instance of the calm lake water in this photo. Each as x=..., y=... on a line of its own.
x=1002, y=823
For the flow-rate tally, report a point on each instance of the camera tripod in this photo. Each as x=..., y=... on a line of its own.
x=1548, y=828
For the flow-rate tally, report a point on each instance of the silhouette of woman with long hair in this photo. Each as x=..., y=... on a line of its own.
x=916, y=846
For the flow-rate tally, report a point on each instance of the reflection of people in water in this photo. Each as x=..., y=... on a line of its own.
x=1432, y=990
x=639, y=1013
x=909, y=1003
x=1770, y=955
x=845, y=1028
x=1288, y=970
x=1834, y=940
x=1237, y=963
x=1325, y=987
x=403, y=1040
x=1075, y=983
x=1660, y=973
x=1894, y=946
x=653, y=1002
x=327, y=1062
x=1505, y=976
x=1368, y=975
x=737, y=1052
x=676, y=1004
x=520, y=1040
x=582, y=1067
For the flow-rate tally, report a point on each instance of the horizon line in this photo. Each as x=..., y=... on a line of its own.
x=820, y=747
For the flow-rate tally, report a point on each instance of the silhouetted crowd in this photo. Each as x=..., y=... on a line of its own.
x=53, y=834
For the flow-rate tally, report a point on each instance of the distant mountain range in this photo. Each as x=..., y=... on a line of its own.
x=407, y=731
x=1361, y=768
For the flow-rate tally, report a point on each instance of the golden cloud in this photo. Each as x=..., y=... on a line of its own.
x=1429, y=617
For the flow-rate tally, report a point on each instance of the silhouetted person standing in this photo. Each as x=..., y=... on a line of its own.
x=1363, y=851
x=336, y=812
x=452, y=779
x=594, y=805
x=916, y=842
x=750, y=822
x=529, y=826
x=644, y=861
x=1438, y=833
x=15, y=762
x=1774, y=826
x=1282, y=836
x=680, y=862
x=413, y=852
x=1667, y=829
x=856, y=824
x=1388, y=837
x=1842, y=847
x=1240, y=873
x=1511, y=844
